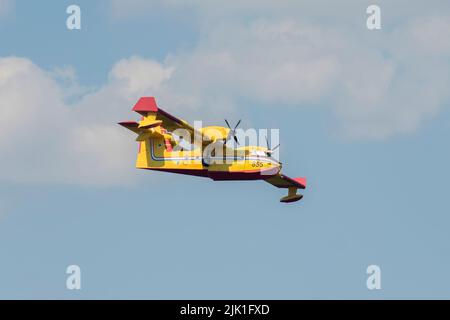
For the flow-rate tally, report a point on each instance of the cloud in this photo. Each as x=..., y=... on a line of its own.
x=52, y=129
x=6, y=6
x=44, y=139
x=404, y=85
x=264, y=61
x=135, y=76
x=376, y=89
x=348, y=12
x=376, y=83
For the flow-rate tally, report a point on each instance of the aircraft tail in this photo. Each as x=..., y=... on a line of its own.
x=151, y=136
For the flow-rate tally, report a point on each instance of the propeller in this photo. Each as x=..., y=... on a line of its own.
x=232, y=132
x=269, y=150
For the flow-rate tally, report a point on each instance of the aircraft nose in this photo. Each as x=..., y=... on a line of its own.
x=278, y=166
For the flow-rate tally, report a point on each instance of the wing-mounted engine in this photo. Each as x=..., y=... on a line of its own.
x=215, y=133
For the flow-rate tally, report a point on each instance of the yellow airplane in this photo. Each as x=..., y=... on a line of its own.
x=161, y=136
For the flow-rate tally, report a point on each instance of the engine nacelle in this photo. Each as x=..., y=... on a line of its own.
x=215, y=133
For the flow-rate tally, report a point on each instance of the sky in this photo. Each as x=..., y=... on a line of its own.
x=363, y=114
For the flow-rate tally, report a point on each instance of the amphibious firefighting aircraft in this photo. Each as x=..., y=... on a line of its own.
x=160, y=137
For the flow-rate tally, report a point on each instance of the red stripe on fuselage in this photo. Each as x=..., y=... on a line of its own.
x=223, y=175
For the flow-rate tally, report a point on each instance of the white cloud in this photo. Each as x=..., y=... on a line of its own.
x=325, y=12
x=406, y=84
x=6, y=6
x=378, y=84
x=135, y=76
x=42, y=139
x=375, y=88
x=268, y=63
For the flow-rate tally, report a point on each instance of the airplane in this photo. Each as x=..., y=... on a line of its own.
x=161, y=149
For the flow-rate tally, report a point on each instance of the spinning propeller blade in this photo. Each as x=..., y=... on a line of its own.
x=270, y=150
x=232, y=132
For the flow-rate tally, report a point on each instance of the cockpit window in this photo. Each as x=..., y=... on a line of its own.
x=258, y=153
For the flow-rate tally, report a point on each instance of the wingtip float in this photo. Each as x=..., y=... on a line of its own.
x=158, y=151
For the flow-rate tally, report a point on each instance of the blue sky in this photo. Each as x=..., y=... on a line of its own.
x=363, y=114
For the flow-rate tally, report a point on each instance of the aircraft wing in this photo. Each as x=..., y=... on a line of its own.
x=292, y=184
x=154, y=116
x=282, y=181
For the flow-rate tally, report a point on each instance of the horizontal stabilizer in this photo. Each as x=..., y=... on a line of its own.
x=131, y=125
x=146, y=105
x=149, y=123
